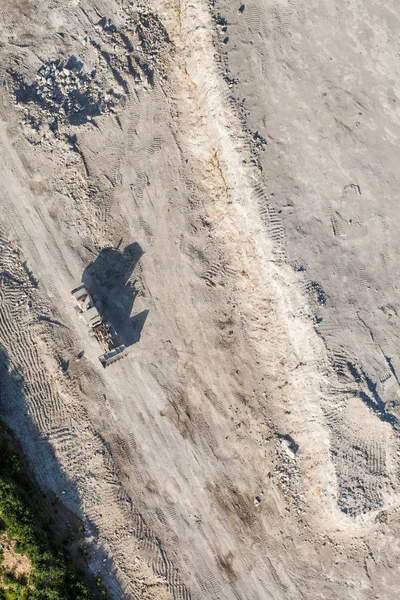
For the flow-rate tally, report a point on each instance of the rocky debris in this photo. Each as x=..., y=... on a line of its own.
x=63, y=91
x=57, y=85
x=136, y=49
x=259, y=141
x=153, y=36
x=221, y=27
x=359, y=489
x=221, y=21
x=288, y=473
x=153, y=40
x=316, y=290
x=231, y=81
x=30, y=119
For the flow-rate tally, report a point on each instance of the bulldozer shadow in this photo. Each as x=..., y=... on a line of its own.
x=109, y=279
x=137, y=323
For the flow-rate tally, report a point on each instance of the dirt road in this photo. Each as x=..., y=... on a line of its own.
x=225, y=174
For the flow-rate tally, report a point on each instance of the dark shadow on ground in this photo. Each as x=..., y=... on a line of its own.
x=14, y=413
x=109, y=278
x=62, y=514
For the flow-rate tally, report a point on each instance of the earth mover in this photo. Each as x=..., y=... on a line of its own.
x=90, y=309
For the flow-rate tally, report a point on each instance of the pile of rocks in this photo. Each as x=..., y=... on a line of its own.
x=63, y=91
x=64, y=88
x=154, y=44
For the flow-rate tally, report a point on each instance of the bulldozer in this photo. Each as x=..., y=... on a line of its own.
x=89, y=309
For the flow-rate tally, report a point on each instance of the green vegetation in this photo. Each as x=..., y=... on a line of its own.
x=52, y=576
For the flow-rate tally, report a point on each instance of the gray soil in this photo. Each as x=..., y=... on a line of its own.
x=224, y=177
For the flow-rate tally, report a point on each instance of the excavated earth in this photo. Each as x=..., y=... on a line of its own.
x=224, y=177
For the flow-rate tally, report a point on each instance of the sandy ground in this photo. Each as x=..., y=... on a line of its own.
x=11, y=560
x=229, y=183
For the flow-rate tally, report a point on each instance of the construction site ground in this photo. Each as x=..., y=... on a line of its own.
x=225, y=176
